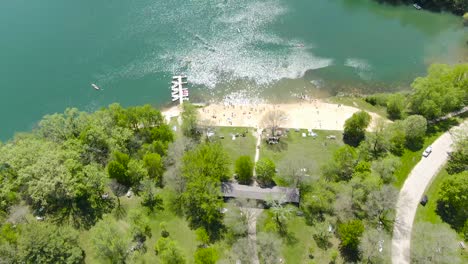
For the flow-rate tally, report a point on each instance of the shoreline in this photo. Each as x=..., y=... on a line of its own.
x=311, y=114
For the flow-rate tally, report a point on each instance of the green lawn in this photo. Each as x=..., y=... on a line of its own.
x=314, y=152
x=241, y=145
x=176, y=226
x=295, y=248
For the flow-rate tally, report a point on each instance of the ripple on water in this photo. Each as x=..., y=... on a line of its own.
x=218, y=43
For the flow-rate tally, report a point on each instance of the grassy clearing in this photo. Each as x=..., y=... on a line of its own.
x=313, y=151
x=241, y=145
x=359, y=103
x=176, y=226
x=428, y=213
x=295, y=248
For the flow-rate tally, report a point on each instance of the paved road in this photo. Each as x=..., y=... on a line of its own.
x=410, y=195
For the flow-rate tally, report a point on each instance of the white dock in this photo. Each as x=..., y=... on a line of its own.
x=179, y=93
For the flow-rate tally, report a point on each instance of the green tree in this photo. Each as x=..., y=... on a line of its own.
x=341, y=167
x=244, y=169
x=458, y=160
x=415, y=130
x=47, y=243
x=117, y=168
x=203, y=169
x=136, y=171
x=380, y=204
x=189, y=121
x=162, y=133
x=452, y=205
x=355, y=128
x=154, y=165
x=265, y=171
x=169, y=251
x=65, y=189
x=322, y=235
x=206, y=256
x=110, y=243
x=60, y=127
x=397, y=137
x=139, y=224
x=208, y=160
x=386, y=168
x=95, y=144
x=202, y=236
x=318, y=202
x=443, y=90
x=396, y=106
x=150, y=197
x=361, y=185
x=350, y=234
x=281, y=214
x=377, y=143
x=8, y=186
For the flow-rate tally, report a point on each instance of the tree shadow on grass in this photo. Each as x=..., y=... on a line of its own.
x=281, y=146
x=290, y=238
x=350, y=255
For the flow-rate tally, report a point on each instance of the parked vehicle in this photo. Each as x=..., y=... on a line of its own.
x=427, y=151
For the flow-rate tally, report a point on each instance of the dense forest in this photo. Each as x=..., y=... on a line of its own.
x=458, y=7
x=63, y=172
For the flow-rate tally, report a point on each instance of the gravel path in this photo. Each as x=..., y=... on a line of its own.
x=253, y=213
x=413, y=189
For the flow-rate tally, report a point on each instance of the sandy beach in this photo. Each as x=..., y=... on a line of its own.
x=315, y=114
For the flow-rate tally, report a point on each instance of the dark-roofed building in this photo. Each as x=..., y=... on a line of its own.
x=234, y=190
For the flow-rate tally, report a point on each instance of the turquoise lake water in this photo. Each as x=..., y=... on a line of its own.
x=51, y=51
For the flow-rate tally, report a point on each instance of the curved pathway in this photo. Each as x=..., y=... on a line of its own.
x=410, y=194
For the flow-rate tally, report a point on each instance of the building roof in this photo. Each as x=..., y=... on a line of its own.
x=234, y=190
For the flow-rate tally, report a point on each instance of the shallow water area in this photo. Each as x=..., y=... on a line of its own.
x=275, y=49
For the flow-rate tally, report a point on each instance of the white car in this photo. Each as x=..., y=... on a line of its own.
x=427, y=151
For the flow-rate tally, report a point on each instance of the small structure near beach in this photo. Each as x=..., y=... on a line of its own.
x=234, y=190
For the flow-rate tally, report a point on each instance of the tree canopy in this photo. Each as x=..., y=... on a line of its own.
x=355, y=128
x=452, y=204
x=60, y=168
x=244, y=169
x=443, y=90
x=350, y=235
x=265, y=171
x=47, y=243
x=204, y=168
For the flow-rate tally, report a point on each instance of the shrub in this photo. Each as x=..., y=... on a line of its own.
x=244, y=169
